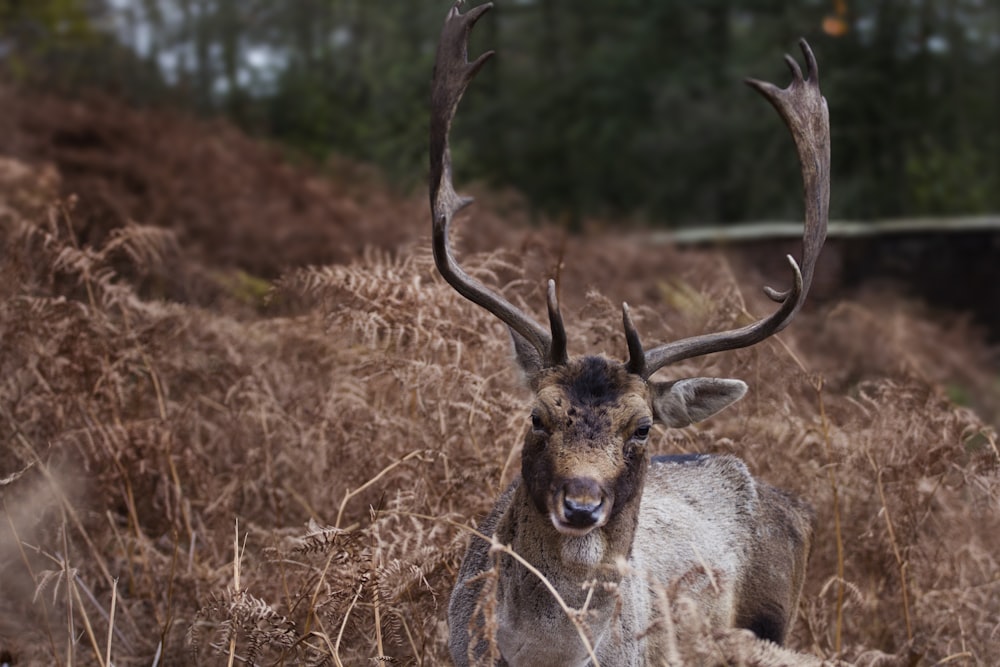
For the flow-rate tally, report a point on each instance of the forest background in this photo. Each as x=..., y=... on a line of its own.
x=593, y=108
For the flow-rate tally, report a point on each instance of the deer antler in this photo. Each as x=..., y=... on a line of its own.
x=452, y=74
x=804, y=110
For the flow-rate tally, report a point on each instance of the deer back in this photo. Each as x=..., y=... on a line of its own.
x=733, y=545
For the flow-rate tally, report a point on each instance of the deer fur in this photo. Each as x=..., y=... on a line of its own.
x=699, y=528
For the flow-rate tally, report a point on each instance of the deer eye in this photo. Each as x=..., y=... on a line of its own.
x=641, y=432
x=536, y=423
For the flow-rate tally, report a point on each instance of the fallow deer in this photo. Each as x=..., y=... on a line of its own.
x=603, y=521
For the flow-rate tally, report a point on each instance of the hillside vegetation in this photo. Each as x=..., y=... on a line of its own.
x=242, y=418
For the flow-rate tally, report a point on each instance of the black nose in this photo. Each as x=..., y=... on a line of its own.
x=582, y=513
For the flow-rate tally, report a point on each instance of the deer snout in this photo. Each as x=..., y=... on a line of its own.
x=581, y=505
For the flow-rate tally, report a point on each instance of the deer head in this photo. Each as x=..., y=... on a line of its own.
x=584, y=458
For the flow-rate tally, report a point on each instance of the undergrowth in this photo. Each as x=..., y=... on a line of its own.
x=183, y=482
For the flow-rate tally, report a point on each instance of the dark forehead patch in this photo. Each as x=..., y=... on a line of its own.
x=594, y=381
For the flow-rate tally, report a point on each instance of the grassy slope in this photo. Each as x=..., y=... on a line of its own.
x=157, y=416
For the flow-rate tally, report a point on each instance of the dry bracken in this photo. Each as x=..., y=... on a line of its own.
x=358, y=425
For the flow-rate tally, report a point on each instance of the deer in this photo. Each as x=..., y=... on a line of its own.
x=605, y=523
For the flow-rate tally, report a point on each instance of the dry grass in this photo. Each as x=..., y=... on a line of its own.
x=187, y=483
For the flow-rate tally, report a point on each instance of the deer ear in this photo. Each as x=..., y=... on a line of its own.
x=528, y=358
x=684, y=402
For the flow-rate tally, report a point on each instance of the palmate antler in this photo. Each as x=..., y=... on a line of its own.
x=800, y=105
x=452, y=74
x=804, y=110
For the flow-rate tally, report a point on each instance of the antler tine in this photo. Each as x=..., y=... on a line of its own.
x=804, y=110
x=802, y=107
x=636, y=357
x=557, y=351
x=452, y=74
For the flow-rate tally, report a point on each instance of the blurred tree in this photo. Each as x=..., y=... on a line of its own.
x=593, y=107
x=45, y=22
x=68, y=45
x=36, y=28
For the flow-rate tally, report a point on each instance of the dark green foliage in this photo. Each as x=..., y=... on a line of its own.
x=591, y=108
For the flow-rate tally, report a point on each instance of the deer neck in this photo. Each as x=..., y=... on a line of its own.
x=584, y=570
x=532, y=535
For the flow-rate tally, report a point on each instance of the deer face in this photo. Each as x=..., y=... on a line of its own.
x=584, y=457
